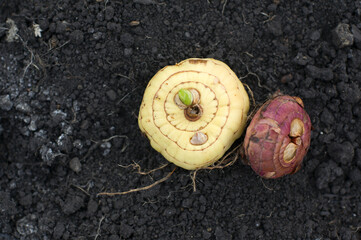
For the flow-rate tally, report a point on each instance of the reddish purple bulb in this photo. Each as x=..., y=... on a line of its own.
x=278, y=137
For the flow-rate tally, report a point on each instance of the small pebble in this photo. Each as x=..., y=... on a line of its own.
x=23, y=107
x=32, y=126
x=286, y=78
x=67, y=129
x=5, y=103
x=84, y=124
x=315, y=35
x=64, y=143
x=27, y=225
x=106, y=145
x=342, y=36
x=72, y=204
x=106, y=152
x=78, y=144
x=58, y=115
x=97, y=35
x=75, y=165
x=47, y=155
x=301, y=59
x=169, y=211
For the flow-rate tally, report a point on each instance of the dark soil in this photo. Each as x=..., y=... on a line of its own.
x=69, y=102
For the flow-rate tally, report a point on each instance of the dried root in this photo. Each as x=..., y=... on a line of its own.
x=223, y=163
x=138, y=189
x=251, y=94
x=139, y=169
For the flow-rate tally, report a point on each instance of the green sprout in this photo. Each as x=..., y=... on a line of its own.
x=185, y=96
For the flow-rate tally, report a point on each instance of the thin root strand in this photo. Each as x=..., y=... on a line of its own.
x=139, y=169
x=138, y=189
x=250, y=93
x=98, y=230
x=255, y=75
x=223, y=163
